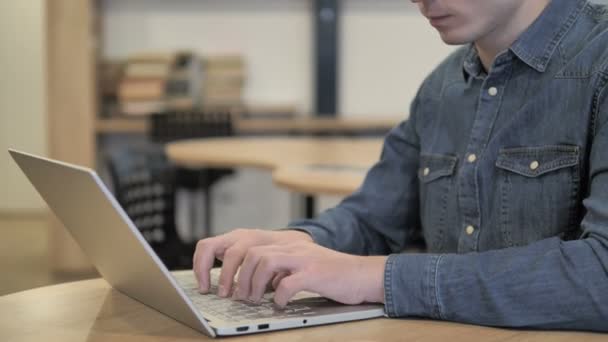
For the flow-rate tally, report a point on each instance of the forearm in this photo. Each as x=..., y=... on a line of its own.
x=340, y=230
x=549, y=284
x=296, y=235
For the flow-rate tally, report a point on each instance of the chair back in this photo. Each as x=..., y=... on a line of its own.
x=169, y=126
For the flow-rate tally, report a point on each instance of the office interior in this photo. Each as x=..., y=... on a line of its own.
x=52, y=104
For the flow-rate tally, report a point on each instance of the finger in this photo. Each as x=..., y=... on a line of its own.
x=269, y=265
x=206, y=251
x=277, y=279
x=195, y=261
x=233, y=257
x=289, y=286
x=247, y=268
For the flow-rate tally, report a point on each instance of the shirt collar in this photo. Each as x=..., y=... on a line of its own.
x=536, y=45
x=472, y=66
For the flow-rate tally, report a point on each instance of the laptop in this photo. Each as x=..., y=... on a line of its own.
x=125, y=260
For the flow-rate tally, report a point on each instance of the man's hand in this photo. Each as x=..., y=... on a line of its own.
x=291, y=262
x=305, y=266
x=232, y=248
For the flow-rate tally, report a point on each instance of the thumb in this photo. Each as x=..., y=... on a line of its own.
x=288, y=287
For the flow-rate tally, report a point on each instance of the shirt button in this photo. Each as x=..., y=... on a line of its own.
x=470, y=230
x=472, y=158
x=426, y=171
x=492, y=91
x=534, y=165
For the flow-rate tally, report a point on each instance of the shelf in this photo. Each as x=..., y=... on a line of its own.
x=121, y=125
x=139, y=125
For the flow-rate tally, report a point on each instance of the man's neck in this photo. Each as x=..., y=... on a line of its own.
x=503, y=36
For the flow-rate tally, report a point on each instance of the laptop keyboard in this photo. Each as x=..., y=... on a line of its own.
x=236, y=310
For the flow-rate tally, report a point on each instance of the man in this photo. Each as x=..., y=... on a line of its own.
x=502, y=167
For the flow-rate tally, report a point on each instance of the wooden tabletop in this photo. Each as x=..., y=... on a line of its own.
x=333, y=166
x=337, y=180
x=90, y=310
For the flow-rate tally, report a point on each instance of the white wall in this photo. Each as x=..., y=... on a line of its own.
x=386, y=47
x=22, y=97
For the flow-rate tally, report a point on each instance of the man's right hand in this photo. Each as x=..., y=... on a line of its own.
x=232, y=248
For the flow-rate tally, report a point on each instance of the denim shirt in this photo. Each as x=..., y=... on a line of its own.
x=505, y=175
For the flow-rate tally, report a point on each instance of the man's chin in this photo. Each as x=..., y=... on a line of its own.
x=451, y=38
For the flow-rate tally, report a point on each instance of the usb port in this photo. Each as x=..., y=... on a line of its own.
x=241, y=329
x=262, y=326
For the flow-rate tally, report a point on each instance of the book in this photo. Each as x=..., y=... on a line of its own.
x=223, y=103
x=226, y=77
x=223, y=81
x=130, y=89
x=147, y=70
x=110, y=74
x=222, y=92
x=224, y=62
x=154, y=57
x=180, y=103
x=141, y=108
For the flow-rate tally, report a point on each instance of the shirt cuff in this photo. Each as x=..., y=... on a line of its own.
x=410, y=285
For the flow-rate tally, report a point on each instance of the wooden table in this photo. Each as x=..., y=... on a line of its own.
x=91, y=311
x=274, y=152
x=320, y=179
x=311, y=166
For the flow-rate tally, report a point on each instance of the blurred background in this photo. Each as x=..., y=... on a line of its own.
x=103, y=83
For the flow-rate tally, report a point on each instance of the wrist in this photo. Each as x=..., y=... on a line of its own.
x=291, y=235
x=372, y=268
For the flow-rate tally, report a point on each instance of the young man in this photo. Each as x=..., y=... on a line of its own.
x=502, y=167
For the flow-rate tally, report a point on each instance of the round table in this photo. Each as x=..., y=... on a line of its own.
x=308, y=165
x=274, y=152
x=320, y=179
x=91, y=310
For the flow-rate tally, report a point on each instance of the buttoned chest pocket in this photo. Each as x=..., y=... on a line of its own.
x=436, y=183
x=538, y=192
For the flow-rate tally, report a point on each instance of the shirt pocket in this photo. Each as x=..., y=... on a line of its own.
x=436, y=183
x=538, y=187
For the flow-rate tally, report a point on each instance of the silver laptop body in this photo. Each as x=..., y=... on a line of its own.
x=105, y=233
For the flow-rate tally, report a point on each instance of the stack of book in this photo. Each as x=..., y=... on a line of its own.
x=142, y=88
x=223, y=82
x=155, y=82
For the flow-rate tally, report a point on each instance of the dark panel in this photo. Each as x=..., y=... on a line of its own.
x=326, y=57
